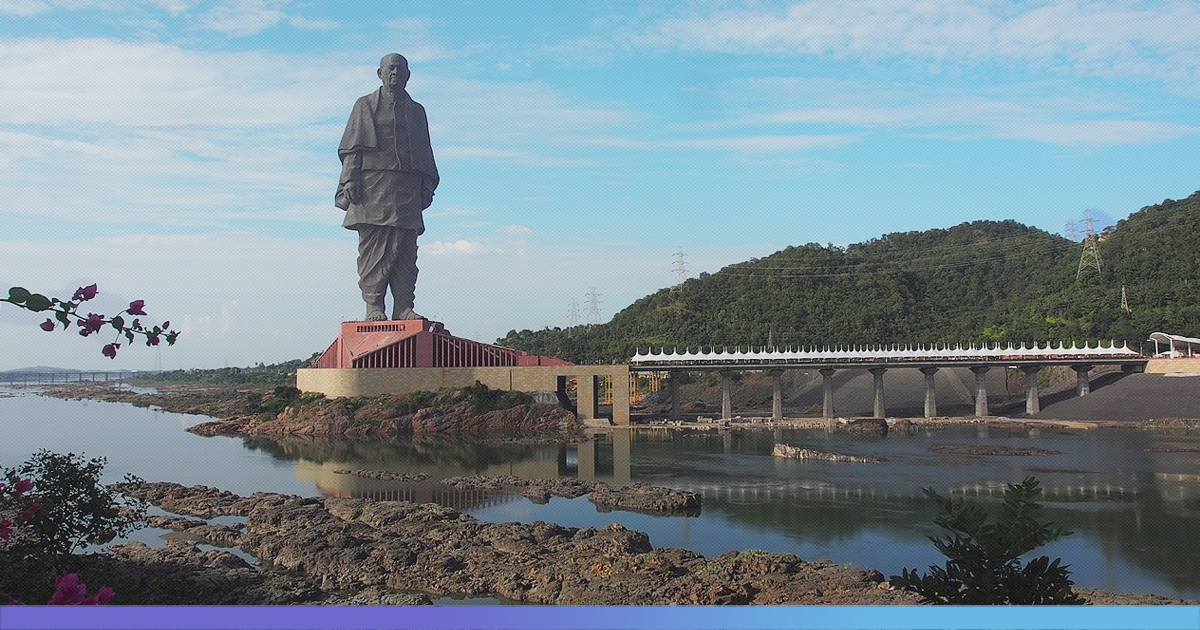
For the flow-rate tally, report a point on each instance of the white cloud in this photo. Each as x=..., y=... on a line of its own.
x=245, y=17
x=24, y=8
x=149, y=84
x=311, y=24
x=1138, y=40
x=515, y=229
x=460, y=247
x=1029, y=111
x=451, y=211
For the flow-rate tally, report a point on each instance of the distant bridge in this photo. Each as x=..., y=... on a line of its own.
x=878, y=359
x=51, y=378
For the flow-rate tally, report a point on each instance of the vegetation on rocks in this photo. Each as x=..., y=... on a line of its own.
x=475, y=410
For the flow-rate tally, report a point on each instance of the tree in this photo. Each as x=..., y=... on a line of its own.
x=983, y=563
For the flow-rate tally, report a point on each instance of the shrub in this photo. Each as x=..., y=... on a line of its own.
x=983, y=563
x=59, y=507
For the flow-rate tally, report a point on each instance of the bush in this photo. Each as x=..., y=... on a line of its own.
x=482, y=398
x=983, y=563
x=66, y=508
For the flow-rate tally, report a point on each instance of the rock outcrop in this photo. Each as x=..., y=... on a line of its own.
x=340, y=545
x=637, y=497
x=991, y=449
x=808, y=454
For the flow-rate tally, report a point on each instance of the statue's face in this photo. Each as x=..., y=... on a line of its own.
x=393, y=72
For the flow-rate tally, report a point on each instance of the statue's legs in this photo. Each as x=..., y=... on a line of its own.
x=387, y=258
x=374, y=266
x=403, y=279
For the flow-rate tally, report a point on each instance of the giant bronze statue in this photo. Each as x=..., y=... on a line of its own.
x=388, y=179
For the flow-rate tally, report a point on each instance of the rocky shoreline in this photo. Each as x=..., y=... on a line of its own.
x=361, y=551
x=313, y=550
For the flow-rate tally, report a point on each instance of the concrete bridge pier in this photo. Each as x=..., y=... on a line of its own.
x=1082, y=385
x=930, y=395
x=726, y=405
x=776, y=396
x=877, y=372
x=981, y=403
x=585, y=397
x=1032, y=404
x=673, y=387
x=827, y=409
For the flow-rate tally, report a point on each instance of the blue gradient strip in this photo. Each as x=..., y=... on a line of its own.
x=597, y=617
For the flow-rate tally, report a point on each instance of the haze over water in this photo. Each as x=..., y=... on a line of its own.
x=1134, y=510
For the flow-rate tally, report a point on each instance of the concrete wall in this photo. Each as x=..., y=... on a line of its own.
x=340, y=382
x=1173, y=366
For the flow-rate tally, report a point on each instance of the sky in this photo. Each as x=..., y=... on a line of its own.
x=185, y=152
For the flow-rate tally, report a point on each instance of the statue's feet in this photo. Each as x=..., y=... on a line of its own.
x=406, y=313
x=375, y=314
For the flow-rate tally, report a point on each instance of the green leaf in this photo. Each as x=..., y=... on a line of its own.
x=18, y=295
x=118, y=322
x=37, y=302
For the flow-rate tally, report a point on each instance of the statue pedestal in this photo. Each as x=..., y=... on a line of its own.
x=417, y=343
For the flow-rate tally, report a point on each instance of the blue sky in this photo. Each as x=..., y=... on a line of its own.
x=184, y=152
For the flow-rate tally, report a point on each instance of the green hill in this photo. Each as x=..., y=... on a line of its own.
x=978, y=281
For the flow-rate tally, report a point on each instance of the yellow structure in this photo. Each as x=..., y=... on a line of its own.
x=340, y=382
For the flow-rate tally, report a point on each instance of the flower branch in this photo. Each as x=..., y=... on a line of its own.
x=66, y=312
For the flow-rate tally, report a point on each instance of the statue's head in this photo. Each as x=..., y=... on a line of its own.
x=393, y=72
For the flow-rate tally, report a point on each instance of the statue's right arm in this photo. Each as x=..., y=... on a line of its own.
x=352, y=176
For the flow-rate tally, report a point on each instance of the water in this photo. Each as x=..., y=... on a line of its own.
x=1133, y=508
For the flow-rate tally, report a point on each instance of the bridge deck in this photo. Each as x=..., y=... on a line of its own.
x=891, y=356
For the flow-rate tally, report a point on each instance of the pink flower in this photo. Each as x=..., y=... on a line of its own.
x=101, y=598
x=166, y=325
x=6, y=529
x=30, y=512
x=83, y=294
x=68, y=591
x=92, y=324
x=135, y=307
x=48, y=325
x=110, y=350
x=23, y=486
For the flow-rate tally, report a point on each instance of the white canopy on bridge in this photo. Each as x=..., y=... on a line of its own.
x=893, y=353
x=1179, y=345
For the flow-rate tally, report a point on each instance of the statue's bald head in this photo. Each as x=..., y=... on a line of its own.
x=393, y=72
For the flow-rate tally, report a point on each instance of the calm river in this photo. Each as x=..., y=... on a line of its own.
x=1131, y=497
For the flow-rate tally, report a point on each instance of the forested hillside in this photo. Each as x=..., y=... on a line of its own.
x=979, y=281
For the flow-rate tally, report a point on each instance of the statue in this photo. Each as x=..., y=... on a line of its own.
x=388, y=178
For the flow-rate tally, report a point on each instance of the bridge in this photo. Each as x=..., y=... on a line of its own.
x=879, y=359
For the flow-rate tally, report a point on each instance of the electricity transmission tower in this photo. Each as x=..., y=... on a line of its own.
x=593, y=306
x=680, y=269
x=1125, y=300
x=573, y=313
x=1090, y=258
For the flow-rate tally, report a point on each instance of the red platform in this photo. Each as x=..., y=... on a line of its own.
x=418, y=343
